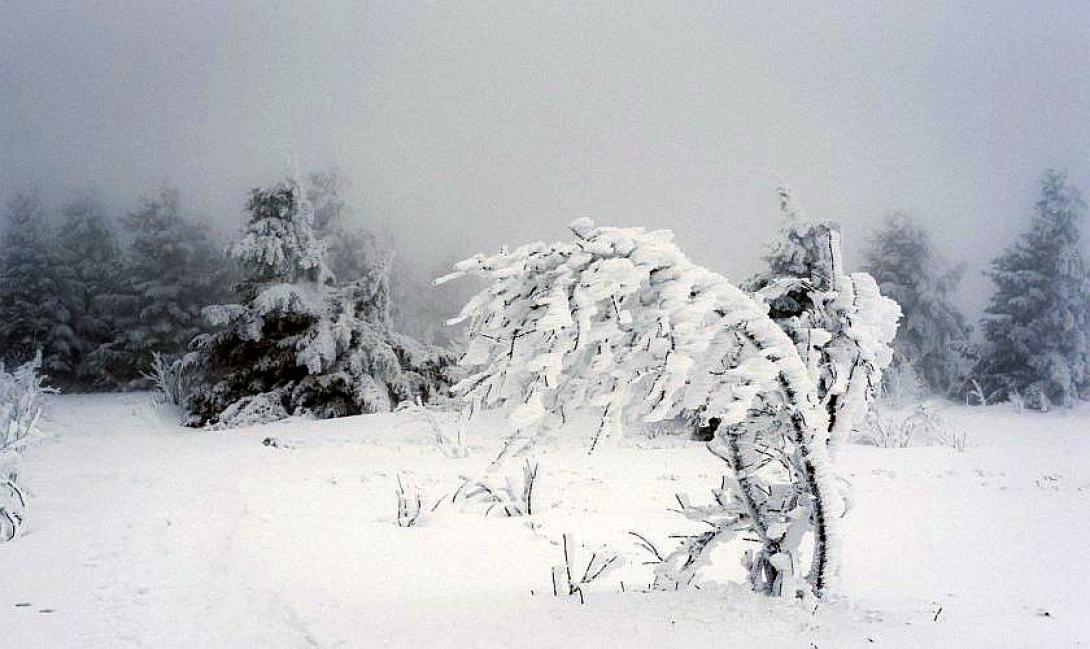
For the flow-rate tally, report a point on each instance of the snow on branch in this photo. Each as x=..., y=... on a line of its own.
x=619, y=320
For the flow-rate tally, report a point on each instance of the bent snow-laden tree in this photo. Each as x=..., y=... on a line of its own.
x=620, y=320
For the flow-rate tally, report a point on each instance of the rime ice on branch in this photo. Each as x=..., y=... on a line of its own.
x=620, y=320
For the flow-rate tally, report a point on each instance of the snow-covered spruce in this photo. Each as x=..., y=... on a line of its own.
x=620, y=320
x=34, y=312
x=296, y=342
x=932, y=348
x=1037, y=324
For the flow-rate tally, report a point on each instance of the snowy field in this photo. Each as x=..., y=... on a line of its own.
x=145, y=534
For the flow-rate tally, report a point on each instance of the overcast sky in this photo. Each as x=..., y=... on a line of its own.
x=464, y=126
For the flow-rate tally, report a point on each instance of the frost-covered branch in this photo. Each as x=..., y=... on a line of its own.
x=619, y=320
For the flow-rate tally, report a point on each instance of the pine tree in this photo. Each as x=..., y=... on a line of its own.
x=295, y=341
x=1037, y=323
x=96, y=291
x=176, y=272
x=33, y=312
x=932, y=340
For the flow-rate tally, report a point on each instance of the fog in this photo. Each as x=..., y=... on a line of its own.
x=464, y=126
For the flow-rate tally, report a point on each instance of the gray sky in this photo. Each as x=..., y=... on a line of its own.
x=464, y=126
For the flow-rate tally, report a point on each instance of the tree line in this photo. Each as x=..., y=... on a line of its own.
x=102, y=297
x=1031, y=345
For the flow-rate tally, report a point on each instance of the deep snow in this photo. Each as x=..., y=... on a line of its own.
x=145, y=534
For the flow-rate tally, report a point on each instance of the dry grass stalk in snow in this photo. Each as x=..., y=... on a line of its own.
x=515, y=497
x=450, y=437
x=569, y=580
x=409, y=504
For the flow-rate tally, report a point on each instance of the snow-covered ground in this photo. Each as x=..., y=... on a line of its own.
x=145, y=534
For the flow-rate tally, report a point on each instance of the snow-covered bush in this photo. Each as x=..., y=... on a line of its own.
x=297, y=342
x=620, y=320
x=901, y=386
x=513, y=496
x=410, y=503
x=21, y=391
x=169, y=379
x=449, y=434
x=922, y=425
x=20, y=407
x=12, y=507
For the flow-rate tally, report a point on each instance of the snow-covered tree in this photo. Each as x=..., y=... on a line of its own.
x=1037, y=323
x=97, y=295
x=933, y=338
x=297, y=342
x=841, y=323
x=621, y=321
x=354, y=254
x=175, y=271
x=33, y=311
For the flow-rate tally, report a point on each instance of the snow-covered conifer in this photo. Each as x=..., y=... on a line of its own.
x=175, y=271
x=296, y=341
x=98, y=294
x=932, y=341
x=1037, y=323
x=33, y=311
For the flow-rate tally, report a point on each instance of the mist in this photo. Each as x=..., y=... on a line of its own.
x=468, y=126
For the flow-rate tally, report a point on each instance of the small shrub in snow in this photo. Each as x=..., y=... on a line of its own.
x=20, y=394
x=514, y=497
x=174, y=381
x=410, y=506
x=952, y=437
x=888, y=431
x=974, y=396
x=450, y=436
x=12, y=507
x=571, y=577
x=923, y=425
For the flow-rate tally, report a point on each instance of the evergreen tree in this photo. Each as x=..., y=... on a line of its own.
x=932, y=340
x=33, y=281
x=1037, y=322
x=96, y=284
x=176, y=272
x=296, y=342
